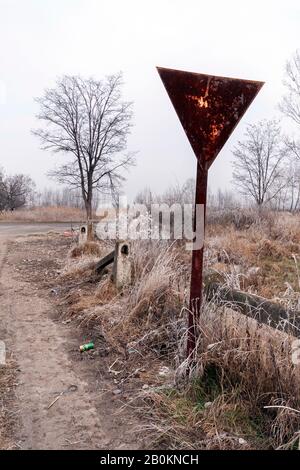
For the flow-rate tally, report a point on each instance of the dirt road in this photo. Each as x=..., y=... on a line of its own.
x=87, y=415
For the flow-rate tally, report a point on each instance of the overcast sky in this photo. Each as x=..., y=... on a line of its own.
x=43, y=39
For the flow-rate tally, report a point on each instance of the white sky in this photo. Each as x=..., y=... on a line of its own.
x=43, y=39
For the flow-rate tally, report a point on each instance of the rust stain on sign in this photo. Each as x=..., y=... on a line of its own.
x=209, y=107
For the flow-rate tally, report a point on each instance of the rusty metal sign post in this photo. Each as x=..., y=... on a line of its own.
x=209, y=108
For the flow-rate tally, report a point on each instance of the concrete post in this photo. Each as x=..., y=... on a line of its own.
x=122, y=269
x=82, y=238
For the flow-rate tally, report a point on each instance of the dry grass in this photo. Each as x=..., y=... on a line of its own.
x=255, y=368
x=86, y=249
x=44, y=214
x=152, y=302
x=262, y=258
x=242, y=367
x=7, y=412
x=82, y=259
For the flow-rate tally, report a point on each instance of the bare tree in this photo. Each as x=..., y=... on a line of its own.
x=290, y=103
x=146, y=197
x=293, y=183
x=87, y=120
x=258, y=162
x=225, y=199
x=188, y=191
x=288, y=196
x=59, y=197
x=15, y=191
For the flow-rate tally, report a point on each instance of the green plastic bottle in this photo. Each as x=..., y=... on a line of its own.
x=86, y=347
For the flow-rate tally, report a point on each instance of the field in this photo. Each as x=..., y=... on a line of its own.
x=44, y=214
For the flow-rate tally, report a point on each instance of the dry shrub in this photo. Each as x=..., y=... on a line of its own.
x=251, y=259
x=240, y=343
x=79, y=268
x=172, y=421
x=106, y=291
x=82, y=260
x=256, y=367
x=234, y=247
x=143, y=313
x=154, y=284
x=247, y=248
x=240, y=218
x=244, y=371
x=154, y=301
x=177, y=419
x=272, y=249
x=284, y=227
x=79, y=302
x=86, y=249
x=290, y=298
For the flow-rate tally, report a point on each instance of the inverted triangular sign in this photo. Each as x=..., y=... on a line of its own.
x=209, y=107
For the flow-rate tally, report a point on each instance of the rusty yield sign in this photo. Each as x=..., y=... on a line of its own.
x=209, y=108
